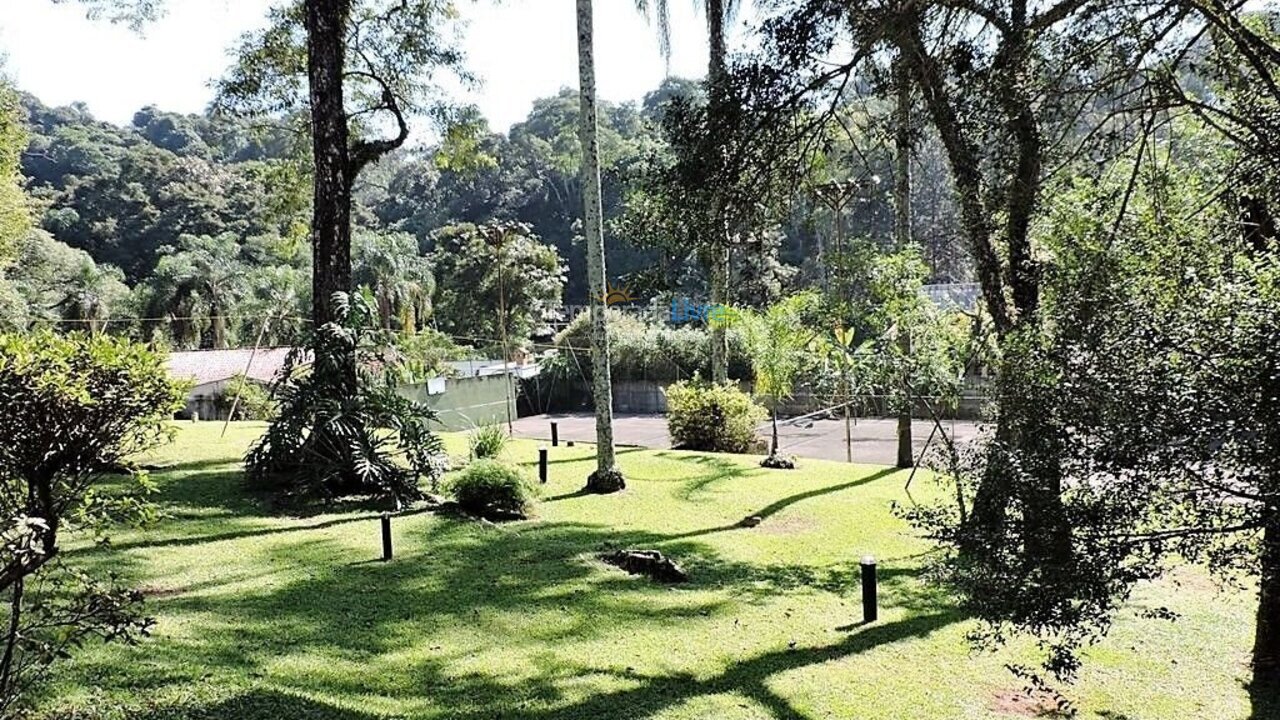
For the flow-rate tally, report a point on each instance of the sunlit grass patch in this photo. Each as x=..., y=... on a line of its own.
x=267, y=614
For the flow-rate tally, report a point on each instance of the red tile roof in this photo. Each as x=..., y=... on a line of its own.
x=206, y=366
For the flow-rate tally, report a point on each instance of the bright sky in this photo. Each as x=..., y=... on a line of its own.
x=521, y=49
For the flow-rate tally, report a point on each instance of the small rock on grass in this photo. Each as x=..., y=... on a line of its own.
x=646, y=562
x=779, y=462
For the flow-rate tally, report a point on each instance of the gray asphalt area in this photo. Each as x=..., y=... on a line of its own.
x=873, y=440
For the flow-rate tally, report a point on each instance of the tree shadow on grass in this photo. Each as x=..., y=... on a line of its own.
x=257, y=703
x=580, y=492
x=454, y=574
x=190, y=540
x=478, y=696
x=718, y=469
x=228, y=493
x=1264, y=697
x=200, y=507
x=778, y=506
x=748, y=677
x=224, y=462
x=715, y=470
x=621, y=450
x=207, y=494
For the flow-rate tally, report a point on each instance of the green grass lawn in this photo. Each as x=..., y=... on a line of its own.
x=265, y=616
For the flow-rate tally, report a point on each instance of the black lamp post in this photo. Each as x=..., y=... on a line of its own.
x=869, y=613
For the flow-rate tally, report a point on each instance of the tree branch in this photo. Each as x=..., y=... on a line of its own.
x=364, y=152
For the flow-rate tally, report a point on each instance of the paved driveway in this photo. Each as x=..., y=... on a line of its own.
x=874, y=440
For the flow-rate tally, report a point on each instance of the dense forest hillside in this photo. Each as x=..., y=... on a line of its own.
x=191, y=230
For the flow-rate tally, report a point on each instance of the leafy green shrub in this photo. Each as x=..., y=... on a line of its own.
x=644, y=350
x=492, y=489
x=423, y=354
x=708, y=416
x=487, y=441
x=75, y=407
x=256, y=401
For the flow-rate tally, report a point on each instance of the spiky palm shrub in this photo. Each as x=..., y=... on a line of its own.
x=487, y=441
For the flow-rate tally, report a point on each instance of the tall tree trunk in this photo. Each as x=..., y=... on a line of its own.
x=386, y=307
x=218, y=323
x=906, y=453
x=1259, y=230
x=1257, y=224
x=773, y=443
x=720, y=297
x=326, y=22
x=185, y=331
x=1266, y=638
x=606, y=478
x=966, y=171
x=1020, y=425
x=717, y=77
x=11, y=640
x=902, y=232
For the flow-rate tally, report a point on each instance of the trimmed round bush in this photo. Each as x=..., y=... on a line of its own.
x=493, y=489
x=708, y=416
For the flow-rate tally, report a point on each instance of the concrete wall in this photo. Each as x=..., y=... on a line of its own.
x=639, y=396
x=646, y=396
x=468, y=402
x=203, y=399
x=464, y=404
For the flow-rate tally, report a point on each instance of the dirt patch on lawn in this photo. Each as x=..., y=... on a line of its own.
x=156, y=592
x=1022, y=704
x=786, y=525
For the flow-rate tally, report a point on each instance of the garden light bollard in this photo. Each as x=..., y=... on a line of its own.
x=555, y=434
x=386, y=536
x=542, y=464
x=868, y=589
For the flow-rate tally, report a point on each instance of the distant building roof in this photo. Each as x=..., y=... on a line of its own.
x=954, y=296
x=485, y=368
x=206, y=366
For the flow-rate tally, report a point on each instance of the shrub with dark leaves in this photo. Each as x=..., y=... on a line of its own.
x=75, y=407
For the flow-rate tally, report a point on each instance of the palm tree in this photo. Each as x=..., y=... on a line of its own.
x=777, y=340
x=719, y=14
x=399, y=278
x=202, y=276
x=607, y=477
x=902, y=232
x=91, y=292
